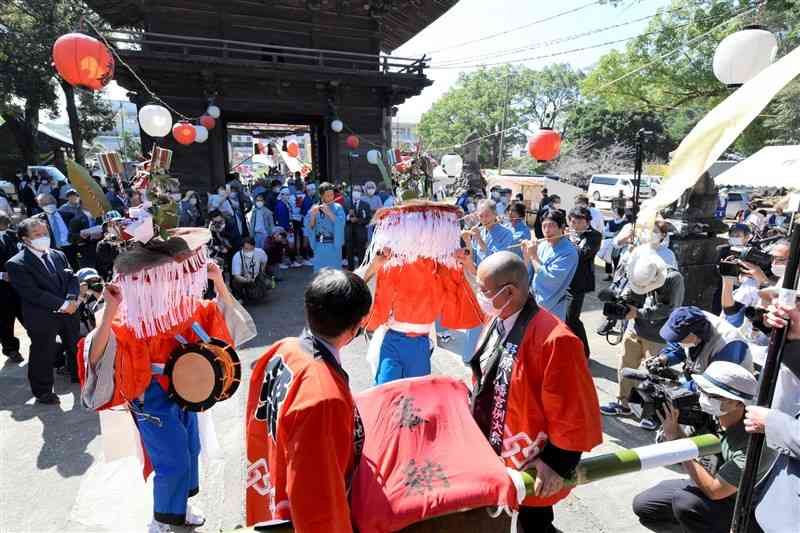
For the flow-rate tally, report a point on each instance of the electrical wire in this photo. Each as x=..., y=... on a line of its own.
x=542, y=44
x=144, y=85
x=528, y=25
x=614, y=81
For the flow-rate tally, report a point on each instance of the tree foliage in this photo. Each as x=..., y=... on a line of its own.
x=681, y=86
x=479, y=100
x=592, y=123
x=28, y=85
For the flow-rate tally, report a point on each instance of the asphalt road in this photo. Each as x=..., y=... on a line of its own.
x=53, y=476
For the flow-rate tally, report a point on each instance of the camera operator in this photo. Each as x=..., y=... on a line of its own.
x=697, y=338
x=705, y=502
x=738, y=235
x=653, y=290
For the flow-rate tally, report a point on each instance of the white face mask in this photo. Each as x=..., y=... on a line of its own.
x=778, y=270
x=712, y=406
x=356, y=196
x=259, y=204
x=470, y=208
x=487, y=304
x=370, y=191
x=736, y=241
x=41, y=244
x=248, y=255
x=49, y=208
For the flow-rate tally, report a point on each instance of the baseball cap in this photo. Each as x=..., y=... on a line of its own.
x=682, y=322
x=729, y=380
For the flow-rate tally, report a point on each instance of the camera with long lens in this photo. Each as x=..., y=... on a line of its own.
x=660, y=386
x=730, y=266
x=756, y=317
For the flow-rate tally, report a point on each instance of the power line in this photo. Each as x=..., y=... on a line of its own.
x=614, y=81
x=542, y=44
x=545, y=56
x=528, y=25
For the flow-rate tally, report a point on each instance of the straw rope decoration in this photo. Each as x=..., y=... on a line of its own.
x=160, y=298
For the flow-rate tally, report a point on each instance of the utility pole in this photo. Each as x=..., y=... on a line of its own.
x=503, y=126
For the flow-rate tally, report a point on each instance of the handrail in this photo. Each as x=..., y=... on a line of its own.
x=262, y=45
x=286, y=55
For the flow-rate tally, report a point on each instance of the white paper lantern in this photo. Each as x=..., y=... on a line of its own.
x=373, y=156
x=201, y=134
x=213, y=111
x=337, y=125
x=742, y=55
x=155, y=120
x=452, y=164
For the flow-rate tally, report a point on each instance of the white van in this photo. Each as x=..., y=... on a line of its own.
x=608, y=186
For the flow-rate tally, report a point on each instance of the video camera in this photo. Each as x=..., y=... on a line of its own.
x=615, y=309
x=730, y=265
x=660, y=386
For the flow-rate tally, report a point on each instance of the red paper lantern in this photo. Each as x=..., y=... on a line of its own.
x=83, y=61
x=293, y=149
x=208, y=121
x=545, y=145
x=353, y=141
x=184, y=132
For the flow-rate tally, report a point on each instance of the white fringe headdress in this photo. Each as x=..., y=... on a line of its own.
x=160, y=288
x=418, y=230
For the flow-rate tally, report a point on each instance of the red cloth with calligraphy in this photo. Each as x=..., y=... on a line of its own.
x=552, y=397
x=424, y=456
x=299, y=433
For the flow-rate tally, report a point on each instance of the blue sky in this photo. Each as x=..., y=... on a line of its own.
x=473, y=19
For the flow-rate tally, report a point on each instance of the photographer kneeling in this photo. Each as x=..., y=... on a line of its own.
x=705, y=502
x=652, y=291
x=697, y=338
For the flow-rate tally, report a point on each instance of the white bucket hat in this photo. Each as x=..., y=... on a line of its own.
x=729, y=380
x=646, y=270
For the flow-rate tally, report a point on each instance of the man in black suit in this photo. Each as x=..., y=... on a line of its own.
x=49, y=293
x=587, y=240
x=11, y=308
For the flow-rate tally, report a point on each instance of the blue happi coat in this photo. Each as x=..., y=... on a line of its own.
x=326, y=237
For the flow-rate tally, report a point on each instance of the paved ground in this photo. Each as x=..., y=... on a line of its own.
x=53, y=476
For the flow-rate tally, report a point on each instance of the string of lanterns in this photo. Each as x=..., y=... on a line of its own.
x=86, y=63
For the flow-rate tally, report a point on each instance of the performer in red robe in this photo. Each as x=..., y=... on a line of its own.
x=422, y=282
x=304, y=435
x=533, y=395
x=149, y=311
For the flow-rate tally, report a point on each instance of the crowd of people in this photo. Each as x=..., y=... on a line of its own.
x=55, y=260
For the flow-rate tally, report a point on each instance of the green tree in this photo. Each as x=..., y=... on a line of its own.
x=681, y=86
x=600, y=128
x=476, y=103
x=480, y=99
x=29, y=85
x=130, y=146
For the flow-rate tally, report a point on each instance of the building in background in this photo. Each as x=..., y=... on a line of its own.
x=126, y=122
x=404, y=136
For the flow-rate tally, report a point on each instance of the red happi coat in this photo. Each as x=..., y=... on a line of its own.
x=301, y=436
x=551, y=398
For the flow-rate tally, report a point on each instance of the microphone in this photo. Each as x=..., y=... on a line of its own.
x=635, y=374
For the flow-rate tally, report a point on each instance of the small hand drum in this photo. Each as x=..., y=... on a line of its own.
x=202, y=374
